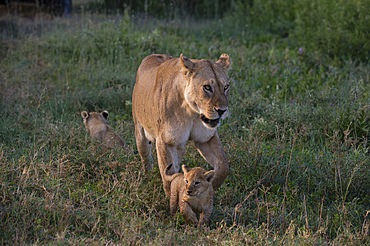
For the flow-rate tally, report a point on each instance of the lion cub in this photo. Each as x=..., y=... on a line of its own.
x=193, y=192
x=96, y=125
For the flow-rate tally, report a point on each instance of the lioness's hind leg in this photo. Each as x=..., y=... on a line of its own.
x=144, y=147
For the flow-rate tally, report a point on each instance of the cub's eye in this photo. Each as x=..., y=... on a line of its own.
x=196, y=183
x=226, y=87
x=207, y=88
x=186, y=181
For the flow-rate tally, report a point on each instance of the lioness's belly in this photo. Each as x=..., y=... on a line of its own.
x=149, y=136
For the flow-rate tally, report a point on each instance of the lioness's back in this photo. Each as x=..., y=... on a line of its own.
x=152, y=62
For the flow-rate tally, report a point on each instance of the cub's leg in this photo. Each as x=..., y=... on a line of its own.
x=205, y=215
x=144, y=146
x=188, y=213
x=174, y=201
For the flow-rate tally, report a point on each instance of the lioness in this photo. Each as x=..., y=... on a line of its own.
x=193, y=192
x=180, y=99
x=96, y=125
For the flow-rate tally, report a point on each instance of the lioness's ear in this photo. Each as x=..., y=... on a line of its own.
x=105, y=114
x=186, y=63
x=186, y=168
x=224, y=61
x=84, y=114
x=210, y=175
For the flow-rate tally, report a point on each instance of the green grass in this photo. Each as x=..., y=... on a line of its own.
x=296, y=139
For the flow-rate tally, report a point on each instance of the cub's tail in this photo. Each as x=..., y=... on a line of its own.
x=169, y=177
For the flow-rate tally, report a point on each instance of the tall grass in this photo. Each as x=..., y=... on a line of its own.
x=338, y=29
x=296, y=139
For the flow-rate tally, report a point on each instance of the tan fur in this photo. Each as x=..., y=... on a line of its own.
x=193, y=192
x=176, y=100
x=96, y=125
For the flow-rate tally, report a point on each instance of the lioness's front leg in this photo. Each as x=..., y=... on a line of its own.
x=167, y=155
x=214, y=154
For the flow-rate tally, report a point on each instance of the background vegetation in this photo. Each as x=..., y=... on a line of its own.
x=339, y=29
x=296, y=140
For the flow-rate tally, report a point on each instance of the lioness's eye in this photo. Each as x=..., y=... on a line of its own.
x=226, y=87
x=196, y=183
x=207, y=88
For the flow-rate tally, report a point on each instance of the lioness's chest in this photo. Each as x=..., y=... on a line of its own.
x=179, y=134
x=200, y=133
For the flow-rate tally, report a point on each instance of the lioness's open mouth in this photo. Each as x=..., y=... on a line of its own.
x=211, y=123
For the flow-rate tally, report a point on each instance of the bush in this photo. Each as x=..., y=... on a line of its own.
x=335, y=28
x=171, y=8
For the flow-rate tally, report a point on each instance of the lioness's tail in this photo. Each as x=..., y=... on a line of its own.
x=169, y=177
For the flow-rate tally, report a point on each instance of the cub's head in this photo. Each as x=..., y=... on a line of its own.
x=94, y=118
x=207, y=88
x=197, y=180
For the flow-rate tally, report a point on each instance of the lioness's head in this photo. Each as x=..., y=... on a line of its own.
x=94, y=118
x=197, y=180
x=207, y=88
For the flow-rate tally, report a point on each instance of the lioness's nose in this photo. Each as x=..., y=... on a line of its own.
x=220, y=111
x=189, y=192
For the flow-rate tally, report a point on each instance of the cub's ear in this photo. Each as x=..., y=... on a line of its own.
x=105, y=114
x=224, y=61
x=186, y=63
x=84, y=114
x=186, y=168
x=210, y=175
